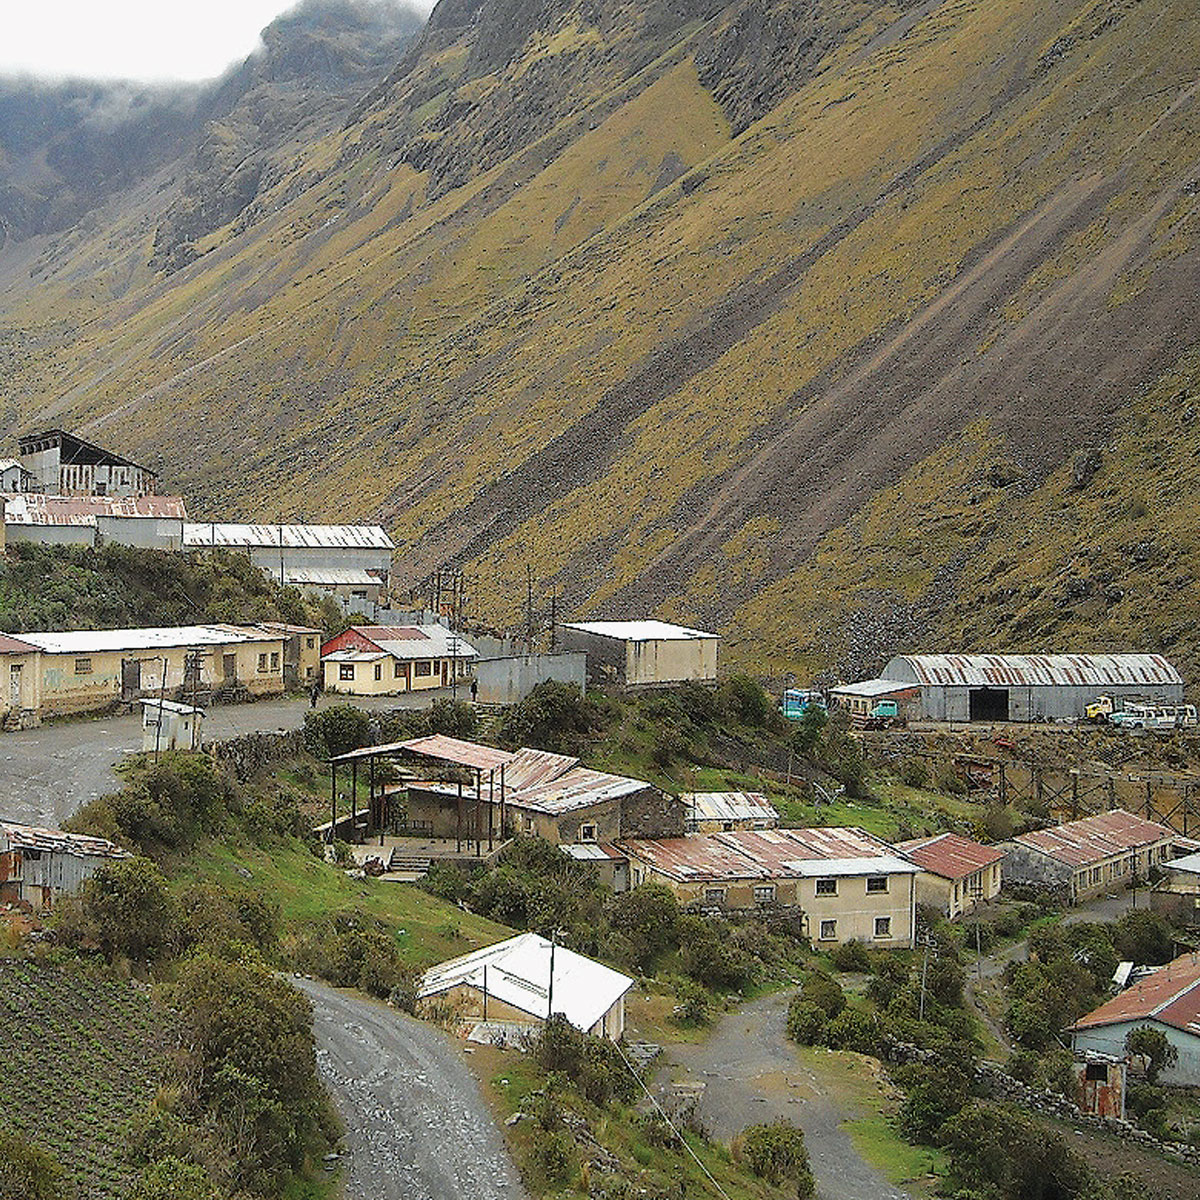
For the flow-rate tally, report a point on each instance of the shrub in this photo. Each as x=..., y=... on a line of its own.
x=806, y=1022
x=776, y=1153
x=454, y=718
x=27, y=1173
x=648, y=917
x=173, y=1179
x=914, y=773
x=851, y=956
x=1152, y=1046
x=593, y=1065
x=809, y=728
x=551, y=1156
x=743, y=701
x=555, y=717
x=692, y=1008
x=1148, y=1105
x=853, y=1029
x=710, y=955
x=128, y=907
x=823, y=991
x=1142, y=936
x=339, y=729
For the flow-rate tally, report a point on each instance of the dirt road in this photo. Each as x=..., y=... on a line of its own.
x=752, y=1075
x=47, y=774
x=418, y=1128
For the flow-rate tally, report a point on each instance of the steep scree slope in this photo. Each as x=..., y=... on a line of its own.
x=803, y=352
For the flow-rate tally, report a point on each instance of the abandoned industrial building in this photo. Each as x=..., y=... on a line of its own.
x=518, y=984
x=1110, y=851
x=1017, y=687
x=64, y=464
x=644, y=653
x=39, y=865
x=958, y=874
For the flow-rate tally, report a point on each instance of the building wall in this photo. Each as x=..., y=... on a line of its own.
x=1178, y=900
x=353, y=597
x=51, y=535
x=1110, y=1039
x=20, y=683
x=908, y=703
x=410, y=679
x=1029, y=866
x=467, y=1002
x=652, y=813
x=308, y=654
x=956, y=897
x=151, y=533
x=670, y=661
x=38, y=878
x=321, y=558
x=511, y=678
x=945, y=703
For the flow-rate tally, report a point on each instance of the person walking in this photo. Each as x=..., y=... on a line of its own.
x=314, y=693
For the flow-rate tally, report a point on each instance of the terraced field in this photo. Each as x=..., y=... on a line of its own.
x=81, y=1057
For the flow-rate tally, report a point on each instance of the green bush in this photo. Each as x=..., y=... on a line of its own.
x=855, y=1030
x=806, y=1022
x=454, y=718
x=593, y=1065
x=173, y=1179
x=935, y=1092
x=914, y=773
x=339, y=729
x=555, y=717
x=693, y=1006
x=552, y=1157
x=776, y=1153
x=128, y=909
x=744, y=701
x=26, y=1172
x=851, y=956
x=1143, y=937
x=1152, y=1046
x=823, y=991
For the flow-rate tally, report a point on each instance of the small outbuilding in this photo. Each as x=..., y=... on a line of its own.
x=1168, y=1000
x=644, y=653
x=860, y=699
x=169, y=725
x=1106, y=852
x=720, y=812
x=39, y=865
x=958, y=873
x=1030, y=687
x=521, y=982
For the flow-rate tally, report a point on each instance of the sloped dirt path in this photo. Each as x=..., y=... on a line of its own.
x=752, y=1075
x=417, y=1125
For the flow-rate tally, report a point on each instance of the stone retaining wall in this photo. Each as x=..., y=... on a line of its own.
x=251, y=752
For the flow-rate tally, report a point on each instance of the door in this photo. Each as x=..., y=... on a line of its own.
x=988, y=704
x=445, y=676
x=131, y=678
x=229, y=666
x=14, y=685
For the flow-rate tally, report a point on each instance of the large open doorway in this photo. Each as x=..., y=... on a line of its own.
x=988, y=704
x=131, y=678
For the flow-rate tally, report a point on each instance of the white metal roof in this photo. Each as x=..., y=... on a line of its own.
x=96, y=641
x=883, y=864
x=871, y=687
x=592, y=851
x=341, y=656
x=1020, y=670
x=331, y=577
x=729, y=806
x=1189, y=864
x=641, y=631
x=209, y=533
x=171, y=706
x=518, y=973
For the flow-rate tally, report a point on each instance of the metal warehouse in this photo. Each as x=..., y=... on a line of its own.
x=1030, y=687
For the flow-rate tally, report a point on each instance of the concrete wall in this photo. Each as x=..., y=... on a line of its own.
x=20, y=684
x=1110, y=1039
x=510, y=679
x=51, y=535
x=1028, y=866
x=151, y=533
x=956, y=897
x=670, y=661
x=418, y=675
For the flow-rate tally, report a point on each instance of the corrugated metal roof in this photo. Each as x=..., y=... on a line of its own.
x=171, y=706
x=949, y=855
x=881, y=864
x=57, y=841
x=592, y=851
x=330, y=577
x=696, y=858
x=578, y=788
x=1055, y=670
x=87, y=641
x=408, y=641
x=518, y=973
x=1188, y=865
x=872, y=687
x=208, y=533
x=729, y=806
x=641, y=631
x=1093, y=839
x=340, y=656
x=530, y=768
x=455, y=750
x=283, y=627
x=1170, y=995
x=12, y=645
x=38, y=508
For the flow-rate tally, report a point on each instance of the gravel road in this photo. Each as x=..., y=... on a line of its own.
x=753, y=1075
x=46, y=774
x=418, y=1128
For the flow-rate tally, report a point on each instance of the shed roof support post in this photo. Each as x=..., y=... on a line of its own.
x=374, y=813
x=458, y=814
x=332, y=798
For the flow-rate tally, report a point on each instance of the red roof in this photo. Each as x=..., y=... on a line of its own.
x=10, y=645
x=1170, y=996
x=1094, y=839
x=950, y=856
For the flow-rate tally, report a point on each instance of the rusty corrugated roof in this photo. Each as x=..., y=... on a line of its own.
x=1032, y=670
x=1093, y=839
x=1170, y=995
x=39, y=508
x=949, y=855
x=455, y=750
x=530, y=768
x=58, y=841
x=729, y=806
x=579, y=788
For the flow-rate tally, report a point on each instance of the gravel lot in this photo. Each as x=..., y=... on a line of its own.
x=418, y=1128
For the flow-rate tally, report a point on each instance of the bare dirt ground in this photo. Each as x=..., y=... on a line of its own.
x=752, y=1075
x=47, y=774
x=418, y=1128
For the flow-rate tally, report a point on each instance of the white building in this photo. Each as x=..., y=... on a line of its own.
x=644, y=653
x=169, y=725
x=521, y=981
x=152, y=522
x=67, y=465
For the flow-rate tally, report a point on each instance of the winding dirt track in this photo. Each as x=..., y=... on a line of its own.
x=417, y=1126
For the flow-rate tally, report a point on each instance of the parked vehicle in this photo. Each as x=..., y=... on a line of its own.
x=884, y=714
x=1100, y=710
x=1145, y=716
x=797, y=701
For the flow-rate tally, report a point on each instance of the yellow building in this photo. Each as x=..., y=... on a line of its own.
x=644, y=653
x=957, y=873
x=85, y=670
x=301, y=652
x=20, y=685
x=384, y=660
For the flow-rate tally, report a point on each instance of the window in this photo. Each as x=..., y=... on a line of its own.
x=764, y=893
x=883, y=927
x=308, y=672
x=956, y=893
x=714, y=895
x=310, y=643
x=1096, y=1073
x=396, y=669
x=587, y=833
x=83, y=666
x=877, y=883
x=379, y=670
x=828, y=931
x=345, y=670
x=274, y=660
x=262, y=662
x=422, y=668
x=826, y=887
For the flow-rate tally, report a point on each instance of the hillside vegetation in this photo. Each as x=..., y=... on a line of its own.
x=791, y=318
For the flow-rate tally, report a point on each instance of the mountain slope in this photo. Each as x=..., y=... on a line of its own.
x=797, y=352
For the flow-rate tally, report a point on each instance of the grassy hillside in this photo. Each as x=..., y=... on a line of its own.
x=806, y=356
x=83, y=1056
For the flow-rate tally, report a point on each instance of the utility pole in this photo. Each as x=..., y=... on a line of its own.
x=528, y=609
x=162, y=695
x=553, y=619
x=281, y=552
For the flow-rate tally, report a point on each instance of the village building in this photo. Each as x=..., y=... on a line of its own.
x=516, y=985
x=957, y=874
x=170, y=725
x=610, y=864
x=844, y=883
x=644, y=653
x=39, y=865
x=20, y=683
x=717, y=812
x=861, y=699
x=1030, y=687
x=1168, y=1000
x=301, y=652
x=151, y=522
x=84, y=670
x=1106, y=852
x=385, y=660
x=1177, y=894
x=350, y=562
x=66, y=465
x=14, y=477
